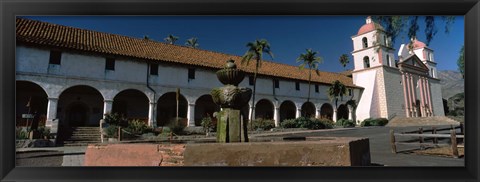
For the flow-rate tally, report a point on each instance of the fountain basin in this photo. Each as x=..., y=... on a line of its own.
x=313, y=151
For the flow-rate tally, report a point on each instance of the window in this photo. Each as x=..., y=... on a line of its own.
x=109, y=64
x=191, y=73
x=55, y=57
x=388, y=60
x=349, y=92
x=366, y=62
x=250, y=80
x=297, y=85
x=153, y=69
x=316, y=88
x=385, y=40
x=277, y=83
x=365, y=42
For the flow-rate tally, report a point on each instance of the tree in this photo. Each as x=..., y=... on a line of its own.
x=335, y=91
x=192, y=42
x=255, y=51
x=344, y=60
x=171, y=39
x=396, y=25
x=311, y=60
x=461, y=61
x=145, y=37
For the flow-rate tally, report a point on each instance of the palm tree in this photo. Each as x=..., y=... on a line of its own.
x=255, y=51
x=311, y=60
x=337, y=90
x=344, y=60
x=171, y=39
x=192, y=42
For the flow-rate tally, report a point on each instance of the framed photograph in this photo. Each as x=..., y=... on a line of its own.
x=342, y=92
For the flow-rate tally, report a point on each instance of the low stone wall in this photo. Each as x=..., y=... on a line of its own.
x=311, y=152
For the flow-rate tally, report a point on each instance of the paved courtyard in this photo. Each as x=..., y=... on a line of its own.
x=379, y=148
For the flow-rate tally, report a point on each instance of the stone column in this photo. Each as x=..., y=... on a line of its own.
x=422, y=97
x=350, y=113
x=414, y=97
x=276, y=116
x=429, y=100
x=152, y=116
x=191, y=115
x=52, y=121
x=334, y=115
x=107, y=107
x=409, y=95
x=317, y=113
x=405, y=96
x=299, y=113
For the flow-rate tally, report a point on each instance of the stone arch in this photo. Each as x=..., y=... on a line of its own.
x=204, y=106
x=30, y=98
x=326, y=111
x=264, y=109
x=308, y=109
x=287, y=110
x=80, y=105
x=167, y=109
x=342, y=112
x=131, y=103
x=364, y=42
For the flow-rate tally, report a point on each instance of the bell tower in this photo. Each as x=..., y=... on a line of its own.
x=372, y=54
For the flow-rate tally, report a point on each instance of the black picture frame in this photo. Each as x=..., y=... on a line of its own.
x=10, y=9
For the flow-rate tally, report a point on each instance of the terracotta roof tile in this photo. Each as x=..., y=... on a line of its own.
x=47, y=34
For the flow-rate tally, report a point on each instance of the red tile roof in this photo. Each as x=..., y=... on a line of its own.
x=47, y=34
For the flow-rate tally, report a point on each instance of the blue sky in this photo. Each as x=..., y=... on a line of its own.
x=289, y=36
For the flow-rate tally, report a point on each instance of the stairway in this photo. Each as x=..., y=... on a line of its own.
x=81, y=136
x=421, y=121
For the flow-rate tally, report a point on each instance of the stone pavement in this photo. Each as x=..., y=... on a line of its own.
x=72, y=156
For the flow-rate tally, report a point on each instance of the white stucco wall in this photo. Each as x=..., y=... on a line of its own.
x=394, y=93
x=367, y=105
x=437, y=102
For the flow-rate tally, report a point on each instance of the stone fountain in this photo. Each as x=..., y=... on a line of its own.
x=231, y=125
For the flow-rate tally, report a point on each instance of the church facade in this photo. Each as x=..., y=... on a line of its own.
x=72, y=77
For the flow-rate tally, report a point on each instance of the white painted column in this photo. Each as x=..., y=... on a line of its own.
x=52, y=121
x=422, y=97
x=299, y=113
x=405, y=95
x=414, y=97
x=152, y=119
x=52, y=109
x=409, y=95
x=317, y=113
x=252, y=113
x=107, y=107
x=334, y=115
x=350, y=113
x=276, y=116
x=429, y=99
x=191, y=115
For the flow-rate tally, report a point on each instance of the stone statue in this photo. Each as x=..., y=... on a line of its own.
x=231, y=98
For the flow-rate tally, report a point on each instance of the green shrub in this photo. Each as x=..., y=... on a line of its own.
x=345, y=123
x=116, y=119
x=207, y=124
x=262, y=124
x=327, y=123
x=111, y=131
x=137, y=127
x=289, y=123
x=21, y=134
x=177, y=126
x=374, y=122
x=44, y=132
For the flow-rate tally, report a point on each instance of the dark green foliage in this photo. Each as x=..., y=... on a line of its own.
x=345, y=123
x=374, y=122
x=116, y=119
x=43, y=132
x=207, y=123
x=310, y=123
x=262, y=124
x=137, y=127
x=177, y=127
x=20, y=133
x=289, y=123
x=461, y=61
x=111, y=131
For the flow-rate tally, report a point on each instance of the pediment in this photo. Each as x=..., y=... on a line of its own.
x=413, y=62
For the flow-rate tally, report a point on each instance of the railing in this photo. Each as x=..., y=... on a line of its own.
x=420, y=135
